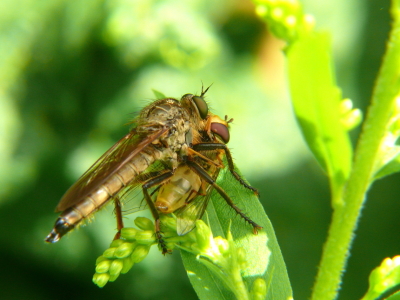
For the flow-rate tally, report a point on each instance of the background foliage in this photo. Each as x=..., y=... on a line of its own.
x=71, y=74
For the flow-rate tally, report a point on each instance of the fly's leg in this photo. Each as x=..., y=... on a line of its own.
x=118, y=216
x=203, y=174
x=149, y=184
x=205, y=158
x=218, y=146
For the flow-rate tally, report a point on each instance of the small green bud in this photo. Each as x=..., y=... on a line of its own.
x=222, y=244
x=100, y=259
x=103, y=266
x=109, y=253
x=128, y=264
x=350, y=118
x=203, y=235
x=345, y=106
x=145, y=237
x=124, y=250
x=259, y=291
x=116, y=243
x=140, y=253
x=144, y=223
x=169, y=222
x=116, y=267
x=101, y=279
x=128, y=233
x=113, y=277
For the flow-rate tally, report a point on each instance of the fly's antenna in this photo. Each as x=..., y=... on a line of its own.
x=203, y=92
x=228, y=121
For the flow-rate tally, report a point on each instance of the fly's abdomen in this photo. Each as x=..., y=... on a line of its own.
x=181, y=188
x=73, y=215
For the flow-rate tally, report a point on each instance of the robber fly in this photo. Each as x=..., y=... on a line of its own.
x=175, y=147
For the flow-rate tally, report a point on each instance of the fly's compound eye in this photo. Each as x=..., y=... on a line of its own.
x=201, y=105
x=221, y=130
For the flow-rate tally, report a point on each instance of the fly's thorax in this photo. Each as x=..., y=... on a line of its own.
x=162, y=113
x=178, y=191
x=158, y=107
x=165, y=113
x=176, y=139
x=169, y=157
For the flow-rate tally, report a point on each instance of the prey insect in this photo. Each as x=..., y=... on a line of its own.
x=174, y=153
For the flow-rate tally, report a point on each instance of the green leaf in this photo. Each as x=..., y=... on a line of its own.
x=263, y=255
x=316, y=100
x=395, y=296
x=384, y=281
x=392, y=167
x=158, y=94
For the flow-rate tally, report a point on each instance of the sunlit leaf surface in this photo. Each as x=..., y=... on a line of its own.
x=263, y=255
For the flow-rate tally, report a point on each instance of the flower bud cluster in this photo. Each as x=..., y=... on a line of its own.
x=226, y=260
x=220, y=255
x=259, y=290
x=285, y=18
x=384, y=277
x=131, y=248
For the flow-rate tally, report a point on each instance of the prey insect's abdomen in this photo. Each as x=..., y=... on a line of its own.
x=73, y=215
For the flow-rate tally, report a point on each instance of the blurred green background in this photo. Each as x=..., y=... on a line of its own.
x=73, y=73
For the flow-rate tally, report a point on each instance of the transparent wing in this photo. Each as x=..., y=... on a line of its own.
x=194, y=210
x=132, y=197
x=107, y=165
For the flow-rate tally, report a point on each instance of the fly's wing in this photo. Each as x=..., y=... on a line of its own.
x=193, y=211
x=107, y=165
x=131, y=196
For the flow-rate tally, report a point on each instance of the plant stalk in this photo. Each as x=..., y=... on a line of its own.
x=367, y=156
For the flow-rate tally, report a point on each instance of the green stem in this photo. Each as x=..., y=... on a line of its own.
x=367, y=156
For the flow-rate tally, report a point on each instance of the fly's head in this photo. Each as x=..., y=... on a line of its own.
x=196, y=105
x=218, y=129
x=197, y=109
